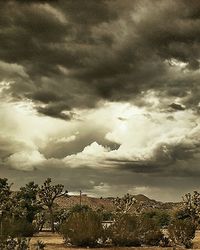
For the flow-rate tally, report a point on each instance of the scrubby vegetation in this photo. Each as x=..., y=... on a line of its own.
x=83, y=229
x=182, y=232
x=124, y=231
x=160, y=217
x=14, y=243
x=150, y=232
x=25, y=212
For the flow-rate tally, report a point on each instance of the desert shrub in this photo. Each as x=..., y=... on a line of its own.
x=23, y=243
x=165, y=242
x=161, y=218
x=106, y=215
x=181, y=214
x=80, y=208
x=17, y=228
x=181, y=232
x=153, y=238
x=82, y=229
x=124, y=231
x=10, y=243
x=150, y=232
x=40, y=245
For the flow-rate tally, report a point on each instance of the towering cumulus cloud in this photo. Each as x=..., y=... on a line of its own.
x=101, y=95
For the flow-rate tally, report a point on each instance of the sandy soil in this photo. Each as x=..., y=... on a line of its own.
x=52, y=241
x=196, y=241
x=55, y=242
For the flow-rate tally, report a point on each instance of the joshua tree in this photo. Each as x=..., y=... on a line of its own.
x=47, y=194
x=124, y=204
x=192, y=206
x=4, y=195
x=27, y=198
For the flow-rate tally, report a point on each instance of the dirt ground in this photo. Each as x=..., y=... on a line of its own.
x=55, y=242
x=52, y=241
x=196, y=241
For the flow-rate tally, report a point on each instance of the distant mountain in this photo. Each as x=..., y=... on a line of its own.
x=141, y=197
x=142, y=203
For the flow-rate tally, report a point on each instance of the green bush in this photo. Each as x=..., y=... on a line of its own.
x=181, y=232
x=83, y=229
x=124, y=231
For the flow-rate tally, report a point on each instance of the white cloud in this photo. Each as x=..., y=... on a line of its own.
x=139, y=132
x=25, y=160
x=63, y=139
x=139, y=135
x=92, y=156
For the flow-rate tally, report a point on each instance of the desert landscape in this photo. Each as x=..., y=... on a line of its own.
x=99, y=124
x=46, y=217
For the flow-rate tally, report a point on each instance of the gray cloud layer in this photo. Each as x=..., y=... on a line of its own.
x=104, y=49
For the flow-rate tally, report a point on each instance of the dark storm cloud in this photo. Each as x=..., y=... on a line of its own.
x=55, y=110
x=177, y=106
x=108, y=49
x=45, y=96
x=88, y=13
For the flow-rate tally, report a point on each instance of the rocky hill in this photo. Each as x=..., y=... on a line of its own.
x=142, y=203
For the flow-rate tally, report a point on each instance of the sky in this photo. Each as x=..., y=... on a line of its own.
x=101, y=96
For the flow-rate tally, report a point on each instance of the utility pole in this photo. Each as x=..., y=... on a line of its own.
x=80, y=198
